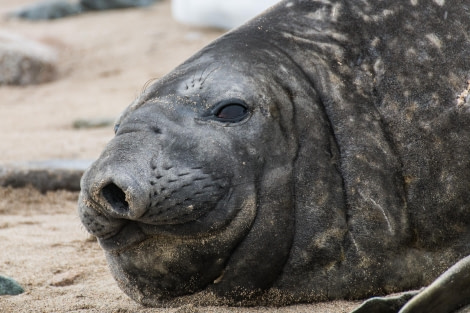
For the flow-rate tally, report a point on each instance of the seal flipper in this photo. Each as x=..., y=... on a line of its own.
x=385, y=304
x=448, y=293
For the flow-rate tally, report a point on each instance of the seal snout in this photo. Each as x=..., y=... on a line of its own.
x=109, y=208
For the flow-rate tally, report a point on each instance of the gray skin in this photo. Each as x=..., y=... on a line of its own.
x=318, y=152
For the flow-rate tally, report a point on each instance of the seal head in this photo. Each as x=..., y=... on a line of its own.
x=197, y=186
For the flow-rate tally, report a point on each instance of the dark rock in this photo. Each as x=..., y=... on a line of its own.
x=24, y=62
x=114, y=4
x=9, y=286
x=49, y=10
x=44, y=175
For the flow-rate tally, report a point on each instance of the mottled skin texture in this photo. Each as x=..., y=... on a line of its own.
x=344, y=174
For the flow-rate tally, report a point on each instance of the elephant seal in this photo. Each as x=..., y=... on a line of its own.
x=320, y=151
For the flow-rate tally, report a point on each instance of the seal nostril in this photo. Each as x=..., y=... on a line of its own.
x=116, y=198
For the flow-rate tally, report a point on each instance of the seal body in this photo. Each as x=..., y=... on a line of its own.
x=320, y=151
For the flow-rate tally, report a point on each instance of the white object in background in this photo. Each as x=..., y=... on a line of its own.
x=224, y=14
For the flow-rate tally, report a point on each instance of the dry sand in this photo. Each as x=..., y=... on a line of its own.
x=104, y=61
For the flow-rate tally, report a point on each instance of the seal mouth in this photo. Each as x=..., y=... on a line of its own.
x=129, y=235
x=133, y=232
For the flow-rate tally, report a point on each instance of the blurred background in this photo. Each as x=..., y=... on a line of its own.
x=91, y=66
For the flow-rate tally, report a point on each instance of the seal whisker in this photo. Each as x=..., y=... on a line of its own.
x=208, y=74
x=202, y=73
x=147, y=83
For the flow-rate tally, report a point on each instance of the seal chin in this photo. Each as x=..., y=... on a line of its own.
x=154, y=263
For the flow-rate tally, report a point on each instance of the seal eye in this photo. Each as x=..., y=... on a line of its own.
x=116, y=128
x=231, y=111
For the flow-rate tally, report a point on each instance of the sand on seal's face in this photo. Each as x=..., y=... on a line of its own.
x=104, y=61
